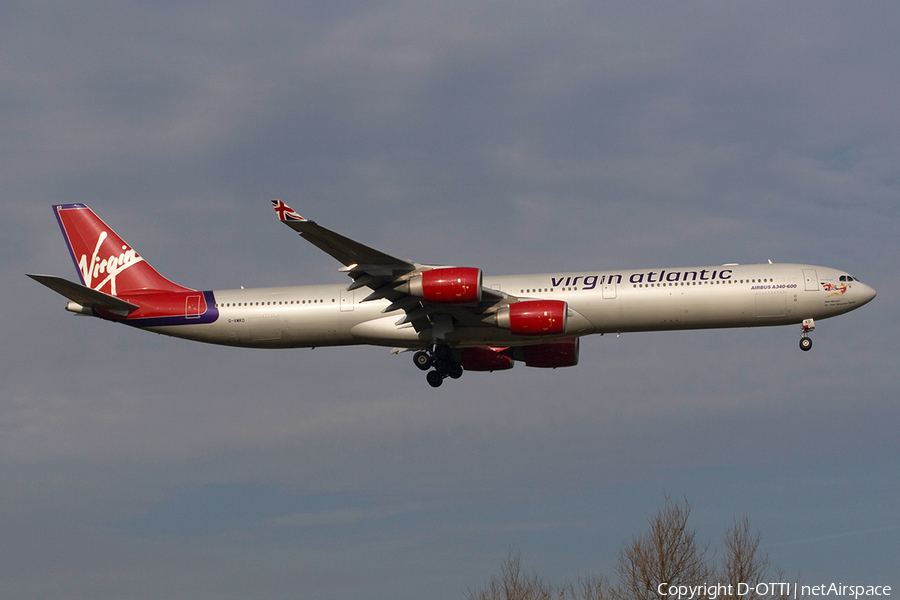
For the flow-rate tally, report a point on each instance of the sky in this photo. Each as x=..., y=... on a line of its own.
x=513, y=136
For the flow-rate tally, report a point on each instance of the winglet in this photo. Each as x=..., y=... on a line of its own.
x=285, y=212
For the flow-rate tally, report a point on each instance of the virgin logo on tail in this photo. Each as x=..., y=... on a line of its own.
x=111, y=266
x=104, y=260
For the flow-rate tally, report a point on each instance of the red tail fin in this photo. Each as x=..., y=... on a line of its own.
x=104, y=261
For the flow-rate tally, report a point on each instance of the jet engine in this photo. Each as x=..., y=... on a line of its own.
x=485, y=359
x=449, y=285
x=533, y=317
x=563, y=353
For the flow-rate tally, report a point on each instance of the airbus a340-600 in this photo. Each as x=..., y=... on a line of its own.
x=454, y=319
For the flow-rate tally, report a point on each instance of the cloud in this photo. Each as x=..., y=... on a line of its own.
x=336, y=517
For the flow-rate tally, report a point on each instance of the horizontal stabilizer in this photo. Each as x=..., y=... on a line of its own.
x=83, y=295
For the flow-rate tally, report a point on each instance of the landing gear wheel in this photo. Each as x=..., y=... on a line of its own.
x=805, y=344
x=434, y=378
x=442, y=352
x=422, y=360
x=454, y=370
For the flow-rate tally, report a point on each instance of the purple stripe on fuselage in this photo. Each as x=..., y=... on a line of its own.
x=210, y=316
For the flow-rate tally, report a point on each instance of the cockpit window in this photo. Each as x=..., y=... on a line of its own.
x=848, y=278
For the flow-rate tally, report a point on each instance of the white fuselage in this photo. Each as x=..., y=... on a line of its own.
x=598, y=302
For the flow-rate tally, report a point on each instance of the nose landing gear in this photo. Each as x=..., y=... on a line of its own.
x=805, y=329
x=441, y=358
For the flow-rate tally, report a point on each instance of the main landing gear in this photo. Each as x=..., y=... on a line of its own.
x=441, y=358
x=805, y=340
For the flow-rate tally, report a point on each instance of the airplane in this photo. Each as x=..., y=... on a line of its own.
x=453, y=319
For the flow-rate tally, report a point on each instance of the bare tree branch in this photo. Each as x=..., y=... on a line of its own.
x=668, y=553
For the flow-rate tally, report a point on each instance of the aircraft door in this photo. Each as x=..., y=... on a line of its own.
x=609, y=289
x=347, y=300
x=192, y=307
x=812, y=282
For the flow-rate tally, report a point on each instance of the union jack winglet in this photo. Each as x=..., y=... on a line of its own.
x=285, y=212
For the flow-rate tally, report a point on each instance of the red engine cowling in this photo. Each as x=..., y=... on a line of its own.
x=563, y=353
x=451, y=285
x=485, y=359
x=534, y=317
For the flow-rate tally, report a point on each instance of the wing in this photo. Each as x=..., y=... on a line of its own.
x=349, y=253
x=83, y=295
x=388, y=277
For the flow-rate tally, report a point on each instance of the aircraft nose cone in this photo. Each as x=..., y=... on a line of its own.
x=868, y=293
